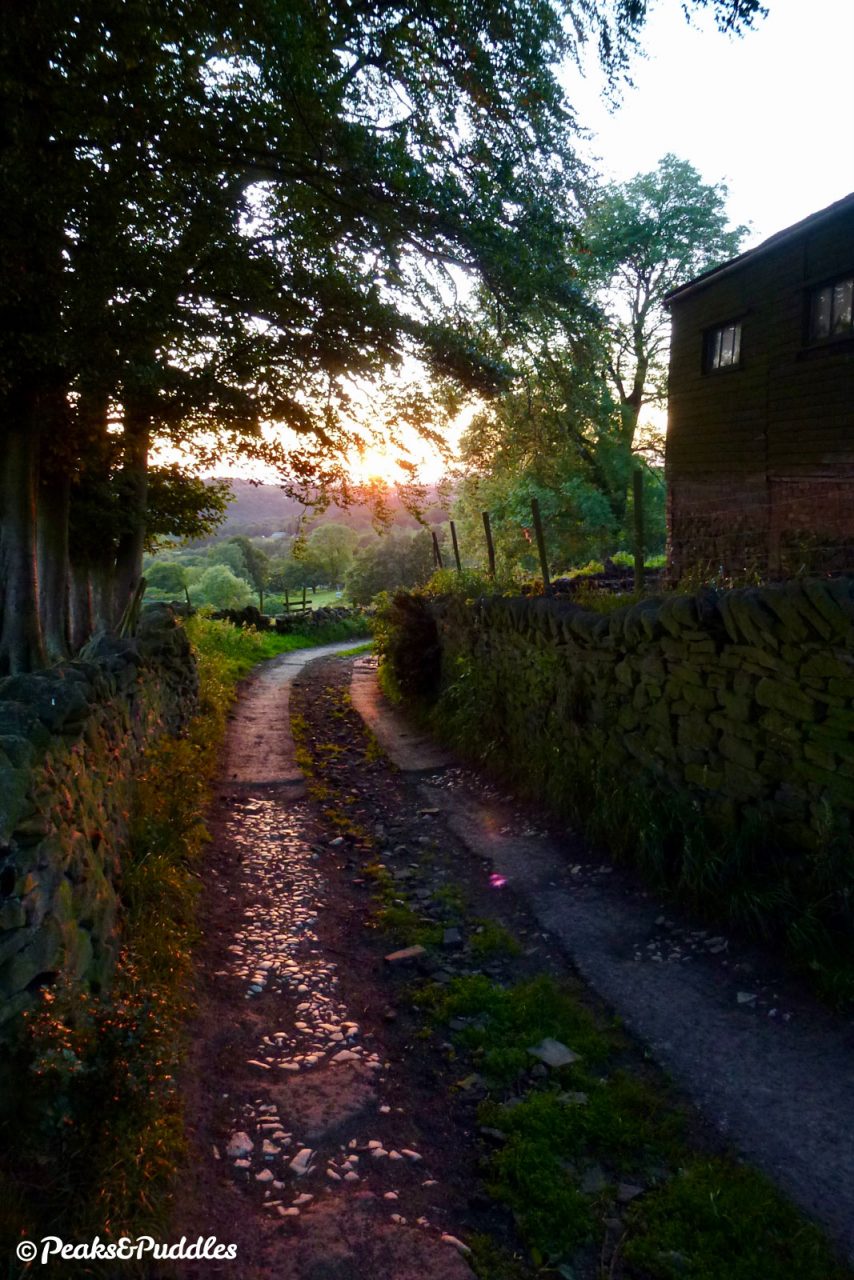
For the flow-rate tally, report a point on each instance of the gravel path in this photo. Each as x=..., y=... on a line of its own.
x=767, y=1065
x=260, y=748
x=303, y=1156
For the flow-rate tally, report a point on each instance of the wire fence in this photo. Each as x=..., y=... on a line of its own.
x=790, y=529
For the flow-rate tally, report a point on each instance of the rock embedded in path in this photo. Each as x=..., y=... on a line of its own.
x=455, y=1243
x=320, y=1103
x=406, y=956
x=239, y=1146
x=626, y=1192
x=301, y=1161
x=553, y=1053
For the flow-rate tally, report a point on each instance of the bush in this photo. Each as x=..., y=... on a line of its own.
x=407, y=641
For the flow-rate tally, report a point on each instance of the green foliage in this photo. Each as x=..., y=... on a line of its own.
x=406, y=927
x=709, y=1219
x=717, y=1221
x=99, y=1118
x=168, y=577
x=407, y=642
x=554, y=1217
x=395, y=561
x=328, y=554
x=228, y=653
x=98, y=1124
x=256, y=565
x=492, y=939
x=181, y=505
x=490, y=1261
x=357, y=650
x=753, y=874
x=220, y=587
x=469, y=584
x=508, y=1021
x=566, y=430
x=231, y=554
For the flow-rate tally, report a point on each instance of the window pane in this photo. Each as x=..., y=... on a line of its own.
x=841, y=309
x=726, y=346
x=715, y=349
x=820, y=320
x=728, y=356
x=736, y=343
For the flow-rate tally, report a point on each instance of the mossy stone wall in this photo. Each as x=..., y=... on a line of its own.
x=72, y=739
x=741, y=703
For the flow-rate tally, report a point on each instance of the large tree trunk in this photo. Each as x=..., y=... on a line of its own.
x=54, y=494
x=92, y=545
x=79, y=607
x=21, y=643
x=101, y=586
x=134, y=486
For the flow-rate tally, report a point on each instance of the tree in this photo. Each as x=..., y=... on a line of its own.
x=643, y=238
x=220, y=587
x=566, y=429
x=257, y=564
x=328, y=551
x=168, y=577
x=229, y=553
x=394, y=560
x=288, y=574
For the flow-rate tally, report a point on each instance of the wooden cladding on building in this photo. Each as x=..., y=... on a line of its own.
x=760, y=442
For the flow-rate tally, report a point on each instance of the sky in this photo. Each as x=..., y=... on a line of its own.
x=770, y=113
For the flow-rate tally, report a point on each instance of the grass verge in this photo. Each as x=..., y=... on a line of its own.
x=598, y=1161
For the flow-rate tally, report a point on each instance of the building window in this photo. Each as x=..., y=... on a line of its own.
x=723, y=346
x=831, y=310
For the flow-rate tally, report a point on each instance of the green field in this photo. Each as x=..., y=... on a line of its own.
x=274, y=601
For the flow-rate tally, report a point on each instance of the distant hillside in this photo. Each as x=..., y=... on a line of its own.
x=260, y=510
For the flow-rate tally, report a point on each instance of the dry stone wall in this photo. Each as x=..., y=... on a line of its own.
x=71, y=741
x=741, y=703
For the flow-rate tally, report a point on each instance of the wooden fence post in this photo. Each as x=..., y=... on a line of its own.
x=456, y=547
x=437, y=554
x=637, y=498
x=490, y=547
x=541, y=543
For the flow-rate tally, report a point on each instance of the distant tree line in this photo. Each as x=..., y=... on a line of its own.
x=234, y=572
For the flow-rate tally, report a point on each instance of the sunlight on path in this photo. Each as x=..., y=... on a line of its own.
x=278, y=949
